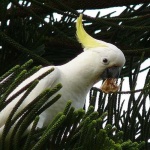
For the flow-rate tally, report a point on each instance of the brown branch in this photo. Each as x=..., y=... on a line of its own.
x=124, y=92
x=137, y=52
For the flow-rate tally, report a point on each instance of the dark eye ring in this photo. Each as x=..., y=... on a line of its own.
x=105, y=61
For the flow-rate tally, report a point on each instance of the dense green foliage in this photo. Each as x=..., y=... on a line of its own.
x=30, y=29
x=110, y=127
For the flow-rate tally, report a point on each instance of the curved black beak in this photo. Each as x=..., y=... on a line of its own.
x=112, y=72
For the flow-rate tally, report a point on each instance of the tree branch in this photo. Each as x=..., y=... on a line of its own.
x=63, y=5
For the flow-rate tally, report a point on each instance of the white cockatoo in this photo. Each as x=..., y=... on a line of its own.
x=98, y=60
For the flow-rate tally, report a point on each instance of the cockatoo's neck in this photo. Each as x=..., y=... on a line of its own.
x=82, y=70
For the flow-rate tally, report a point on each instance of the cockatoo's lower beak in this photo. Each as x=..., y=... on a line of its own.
x=111, y=75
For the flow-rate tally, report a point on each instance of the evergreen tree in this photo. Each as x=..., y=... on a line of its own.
x=29, y=29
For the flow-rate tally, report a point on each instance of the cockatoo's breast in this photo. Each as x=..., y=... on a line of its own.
x=74, y=91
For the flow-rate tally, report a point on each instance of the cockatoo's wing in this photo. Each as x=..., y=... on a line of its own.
x=46, y=82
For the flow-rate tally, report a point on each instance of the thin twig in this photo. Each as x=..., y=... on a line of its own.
x=124, y=92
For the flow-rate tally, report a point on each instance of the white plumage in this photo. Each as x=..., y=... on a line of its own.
x=76, y=76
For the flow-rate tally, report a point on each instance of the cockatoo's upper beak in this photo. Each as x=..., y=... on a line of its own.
x=112, y=72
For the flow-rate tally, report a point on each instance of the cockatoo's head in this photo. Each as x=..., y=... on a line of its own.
x=109, y=58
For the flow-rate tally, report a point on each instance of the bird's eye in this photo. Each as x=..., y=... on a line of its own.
x=105, y=61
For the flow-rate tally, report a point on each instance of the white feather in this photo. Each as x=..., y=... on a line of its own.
x=77, y=77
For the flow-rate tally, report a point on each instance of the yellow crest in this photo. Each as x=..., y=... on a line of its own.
x=85, y=39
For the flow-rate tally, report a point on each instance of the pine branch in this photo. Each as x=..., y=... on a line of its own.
x=25, y=33
x=19, y=47
x=76, y=5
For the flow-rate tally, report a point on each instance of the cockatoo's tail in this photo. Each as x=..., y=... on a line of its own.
x=112, y=71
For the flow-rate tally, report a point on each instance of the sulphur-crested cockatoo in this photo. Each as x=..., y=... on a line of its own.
x=98, y=60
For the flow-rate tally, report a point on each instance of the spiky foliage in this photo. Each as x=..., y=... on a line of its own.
x=30, y=29
x=110, y=127
x=25, y=34
x=133, y=121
